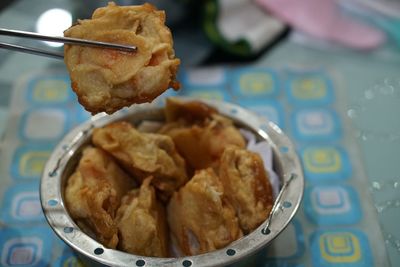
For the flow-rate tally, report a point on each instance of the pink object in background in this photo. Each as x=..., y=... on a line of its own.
x=322, y=19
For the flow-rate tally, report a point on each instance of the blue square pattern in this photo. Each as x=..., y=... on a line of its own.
x=332, y=205
x=254, y=82
x=325, y=163
x=80, y=114
x=270, y=109
x=203, y=77
x=28, y=246
x=315, y=124
x=44, y=124
x=21, y=204
x=346, y=248
x=49, y=90
x=29, y=160
x=289, y=245
x=309, y=89
x=68, y=258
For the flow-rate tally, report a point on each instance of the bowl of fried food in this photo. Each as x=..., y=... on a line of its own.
x=185, y=183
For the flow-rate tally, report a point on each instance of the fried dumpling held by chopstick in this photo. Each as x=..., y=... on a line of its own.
x=199, y=216
x=247, y=186
x=142, y=224
x=93, y=194
x=143, y=154
x=107, y=79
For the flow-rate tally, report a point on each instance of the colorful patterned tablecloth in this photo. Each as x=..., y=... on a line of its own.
x=336, y=224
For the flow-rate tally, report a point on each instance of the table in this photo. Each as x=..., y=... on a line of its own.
x=367, y=98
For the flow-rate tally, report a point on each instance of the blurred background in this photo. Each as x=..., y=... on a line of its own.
x=241, y=32
x=326, y=71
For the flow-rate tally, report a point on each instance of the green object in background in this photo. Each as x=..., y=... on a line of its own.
x=240, y=28
x=211, y=11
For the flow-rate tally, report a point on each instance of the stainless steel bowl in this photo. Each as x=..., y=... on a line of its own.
x=67, y=153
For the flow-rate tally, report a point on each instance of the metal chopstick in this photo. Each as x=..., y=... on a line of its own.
x=30, y=50
x=66, y=40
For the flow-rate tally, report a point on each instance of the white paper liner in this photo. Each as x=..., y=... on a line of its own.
x=265, y=151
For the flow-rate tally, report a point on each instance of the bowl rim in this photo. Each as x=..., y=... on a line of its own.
x=62, y=224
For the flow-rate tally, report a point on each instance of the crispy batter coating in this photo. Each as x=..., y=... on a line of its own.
x=188, y=111
x=142, y=224
x=229, y=194
x=247, y=186
x=107, y=80
x=199, y=132
x=200, y=217
x=93, y=194
x=143, y=154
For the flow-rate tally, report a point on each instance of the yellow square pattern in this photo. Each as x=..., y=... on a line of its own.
x=72, y=261
x=309, y=88
x=32, y=163
x=207, y=94
x=340, y=247
x=339, y=244
x=50, y=91
x=256, y=83
x=323, y=160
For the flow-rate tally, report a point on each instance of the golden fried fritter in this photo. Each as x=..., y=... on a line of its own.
x=107, y=80
x=93, y=194
x=199, y=132
x=200, y=217
x=142, y=224
x=143, y=154
x=188, y=111
x=247, y=186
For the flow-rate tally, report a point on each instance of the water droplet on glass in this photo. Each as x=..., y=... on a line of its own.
x=364, y=137
x=376, y=185
x=352, y=113
x=387, y=90
x=374, y=113
x=379, y=208
x=389, y=81
x=369, y=94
